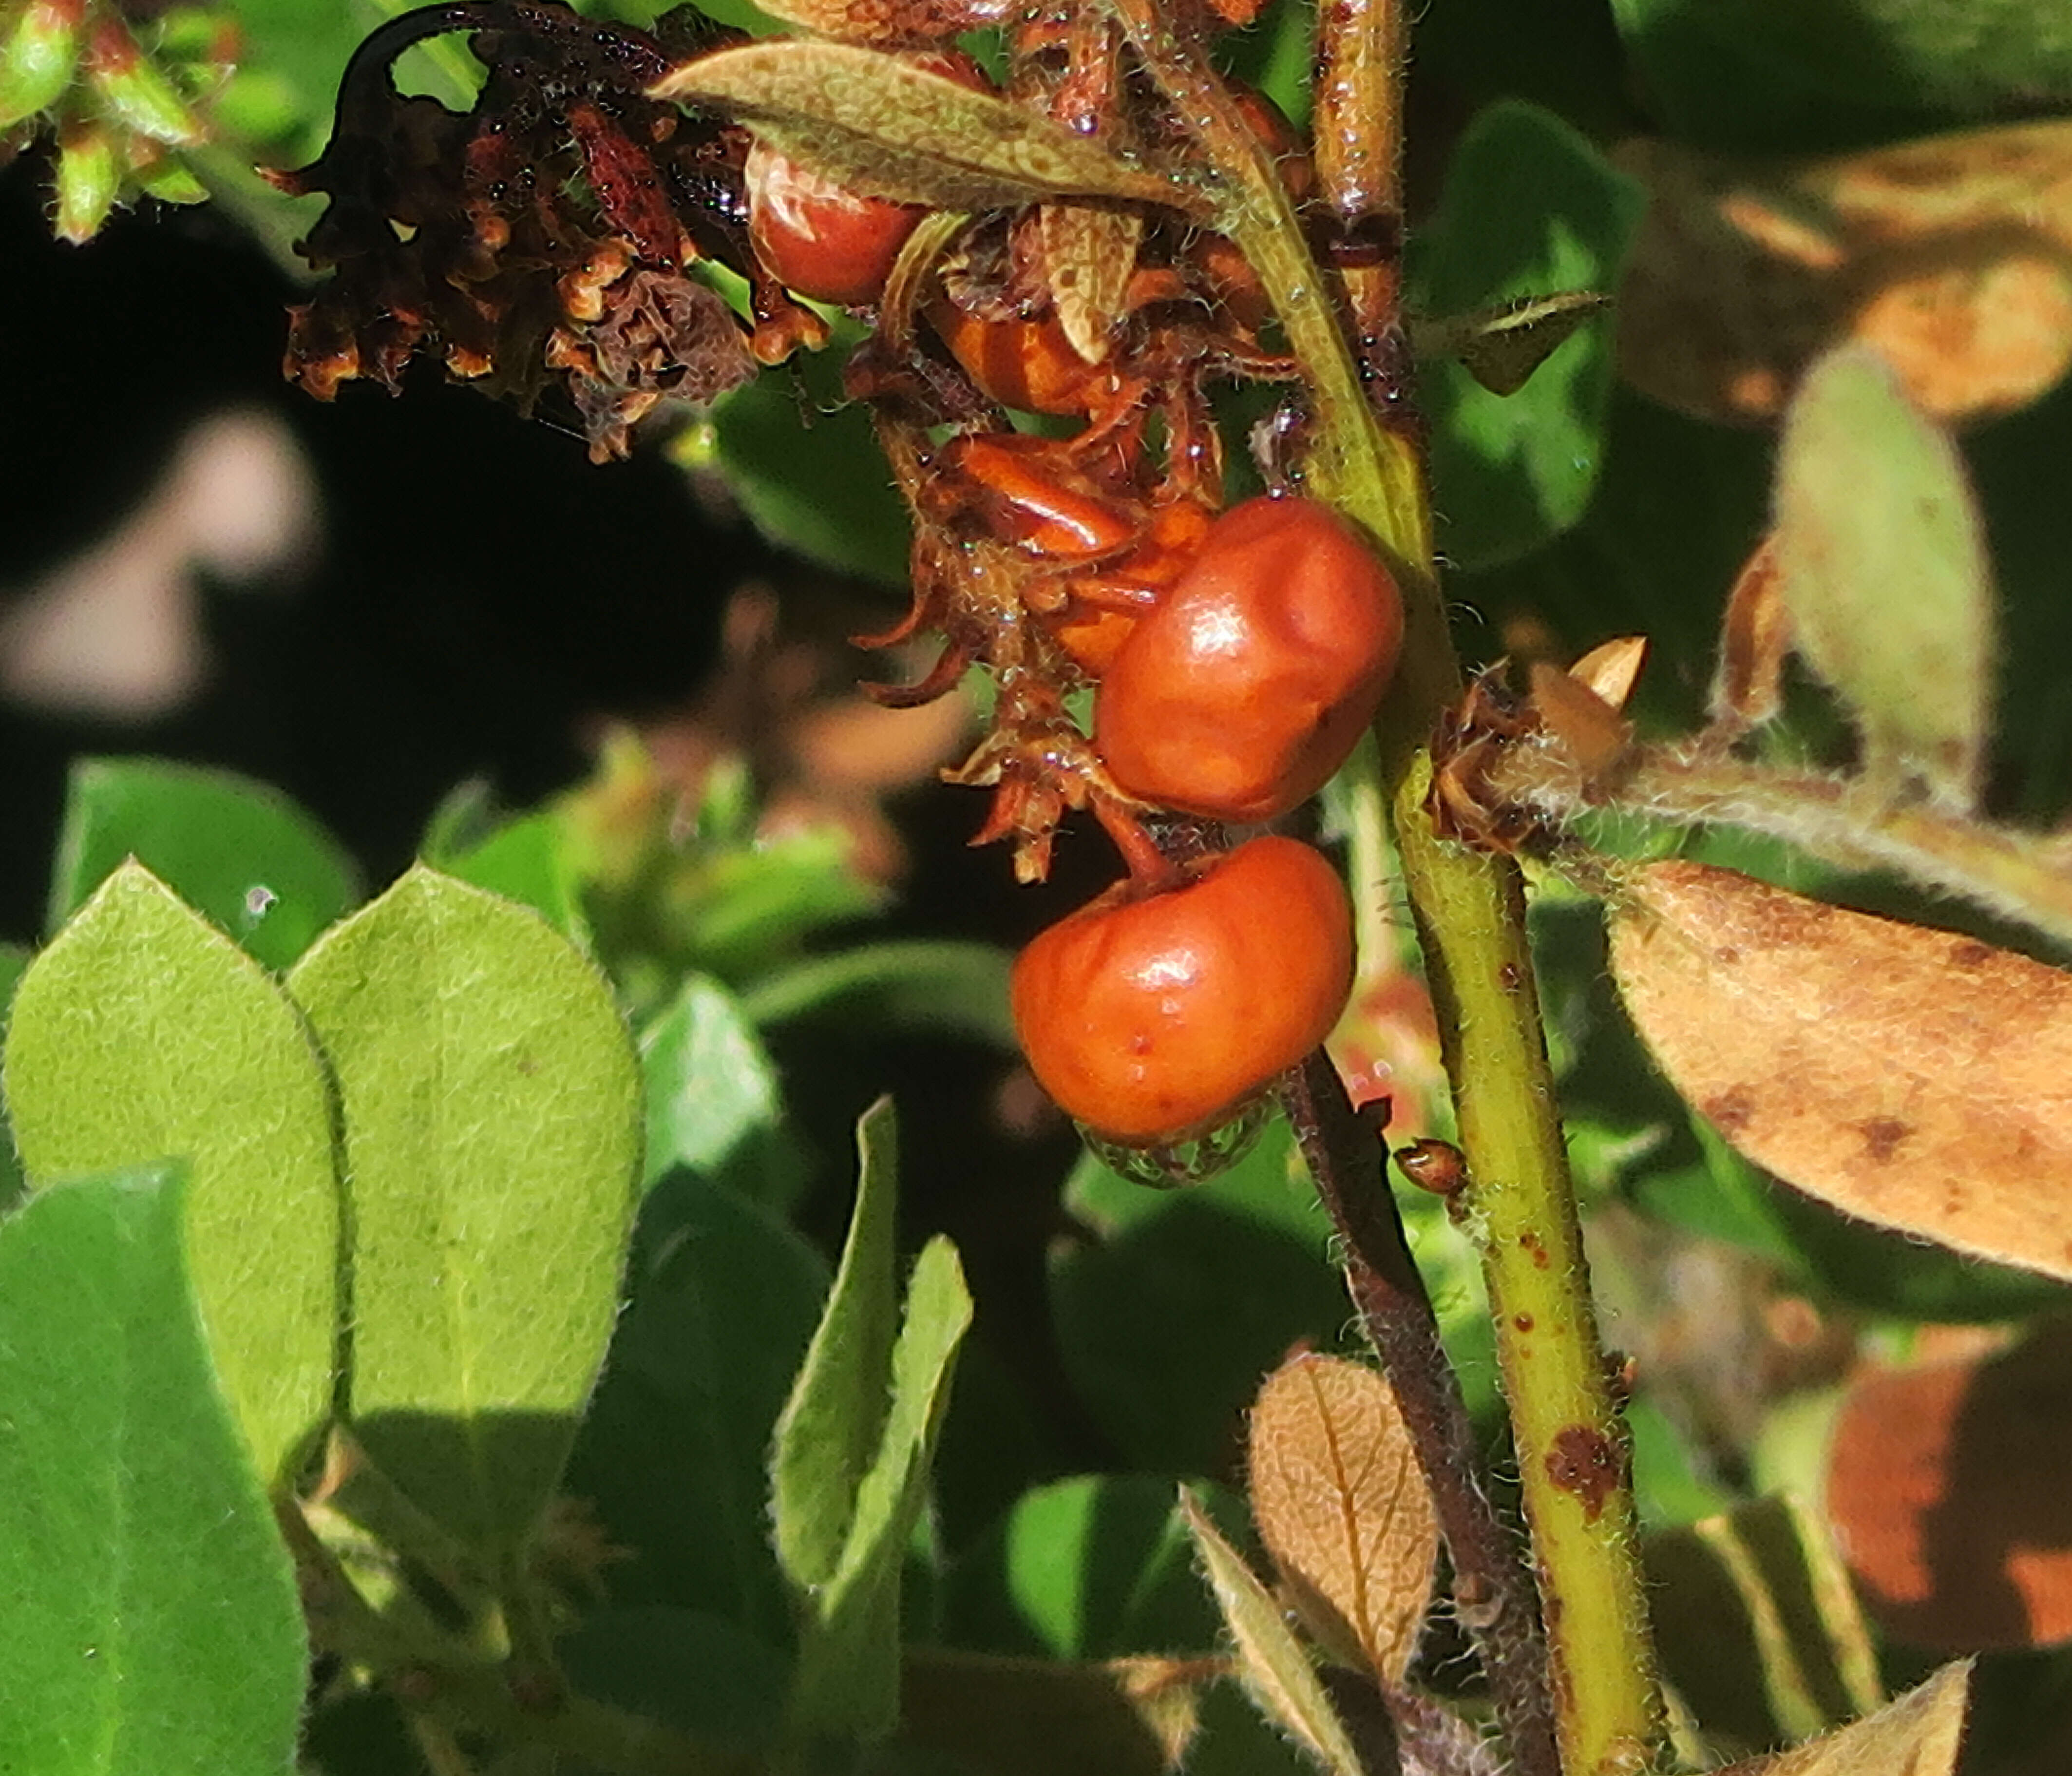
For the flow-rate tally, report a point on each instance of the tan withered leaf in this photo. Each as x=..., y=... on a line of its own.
x=1610, y=670
x=1594, y=734
x=1342, y=1506
x=1271, y=1663
x=1918, y=1735
x=1946, y=1487
x=1089, y=255
x=1755, y=638
x=1917, y=1079
x=1950, y=254
x=884, y=126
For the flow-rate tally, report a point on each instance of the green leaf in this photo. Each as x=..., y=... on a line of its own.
x=13, y=963
x=847, y=1682
x=491, y=1103
x=882, y=126
x=143, y=1031
x=526, y=861
x=1743, y=74
x=673, y=1449
x=146, y=1603
x=806, y=467
x=263, y=869
x=829, y=1432
x=1167, y=1320
x=696, y=1672
x=710, y=1085
x=1881, y=557
x=1271, y=1661
x=1530, y=209
x=921, y=984
x=1099, y=1566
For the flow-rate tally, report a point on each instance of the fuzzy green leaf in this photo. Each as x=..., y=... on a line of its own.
x=830, y=1429
x=1881, y=556
x=140, y=1032
x=263, y=869
x=847, y=1682
x=920, y=984
x=525, y=859
x=491, y=1111
x=710, y=1085
x=881, y=124
x=146, y=1603
x=1271, y=1661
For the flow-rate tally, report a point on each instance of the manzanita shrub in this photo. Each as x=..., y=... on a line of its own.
x=411, y=1356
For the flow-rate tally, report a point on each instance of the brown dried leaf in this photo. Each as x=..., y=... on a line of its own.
x=1593, y=734
x=1089, y=254
x=1918, y=1735
x=1945, y=1486
x=1755, y=639
x=1916, y=1077
x=1950, y=254
x=1342, y=1507
x=883, y=126
x=1611, y=669
x=1271, y=1663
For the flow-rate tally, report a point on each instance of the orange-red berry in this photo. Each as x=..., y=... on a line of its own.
x=1148, y=1017
x=1248, y=684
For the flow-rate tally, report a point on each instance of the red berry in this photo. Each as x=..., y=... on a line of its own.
x=1246, y=688
x=1150, y=1017
x=819, y=239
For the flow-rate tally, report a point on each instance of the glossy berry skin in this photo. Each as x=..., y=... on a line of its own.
x=1148, y=1018
x=1240, y=694
x=818, y=238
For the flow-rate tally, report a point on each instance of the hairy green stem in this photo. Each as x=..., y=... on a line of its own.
x=1572, y=1449
x=2019, y=875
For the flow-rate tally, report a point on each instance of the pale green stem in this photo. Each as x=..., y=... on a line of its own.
x=1572, y=1448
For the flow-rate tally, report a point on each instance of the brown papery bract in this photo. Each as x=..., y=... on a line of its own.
x=1342, y=1507
x=1916, y=1078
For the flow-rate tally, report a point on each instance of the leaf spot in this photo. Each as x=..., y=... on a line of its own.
x=1882, y=1135
x=1731, y=1112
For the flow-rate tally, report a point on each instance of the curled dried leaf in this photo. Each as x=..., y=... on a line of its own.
x=1948, y=254
x=1593, y=734
x=1755, y=637
x=1946, y=1486
x=1342, y=1507
x=1918, y=1735
x=887, y=128
x=1881, y=566
x=1918, y=1078
x=1611, y=669
x=1089, y=255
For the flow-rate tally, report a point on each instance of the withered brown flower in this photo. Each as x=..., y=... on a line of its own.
x=538, y=244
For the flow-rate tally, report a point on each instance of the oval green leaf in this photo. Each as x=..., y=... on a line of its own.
x=263, y=869
x=143, y=1032
x=146, y=1603
x=1882, y=561
x=492, y=1108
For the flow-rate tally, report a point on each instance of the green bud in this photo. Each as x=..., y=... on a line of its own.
x=170, y=183
x=38, y=58
x=134, y=91
x=89, y=173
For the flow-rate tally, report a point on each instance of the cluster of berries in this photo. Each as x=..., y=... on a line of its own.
x=1234, y=655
